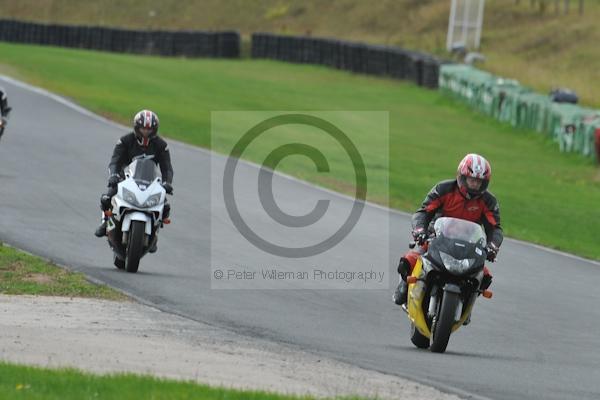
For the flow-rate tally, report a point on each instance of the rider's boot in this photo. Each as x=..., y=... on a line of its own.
x=401, y=292
x=154, y=247
x=486, y=281
x=105, y=207
x=101, y=230
x=467, y=321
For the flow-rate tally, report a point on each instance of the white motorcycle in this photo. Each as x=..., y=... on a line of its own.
x=137, y=213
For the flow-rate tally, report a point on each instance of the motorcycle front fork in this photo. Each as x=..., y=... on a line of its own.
x=434, y=301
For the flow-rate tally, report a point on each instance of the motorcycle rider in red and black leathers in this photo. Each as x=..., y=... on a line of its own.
x=144, y=140
x=465, y=197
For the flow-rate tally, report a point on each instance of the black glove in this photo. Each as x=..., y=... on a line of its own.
x=113, y=180
x=492, y=251
x=168, y=187
x=419, y=236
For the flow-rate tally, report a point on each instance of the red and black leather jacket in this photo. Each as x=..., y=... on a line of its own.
x=446, y=200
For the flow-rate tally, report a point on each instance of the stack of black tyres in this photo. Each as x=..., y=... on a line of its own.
x=398, y=63
x=224, y=44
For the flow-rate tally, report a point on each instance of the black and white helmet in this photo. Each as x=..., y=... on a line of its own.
x=145, y=126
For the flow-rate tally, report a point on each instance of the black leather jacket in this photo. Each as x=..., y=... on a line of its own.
x=128, y=148
x=4, y=108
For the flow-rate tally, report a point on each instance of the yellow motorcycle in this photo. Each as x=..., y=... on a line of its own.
x=445, y=282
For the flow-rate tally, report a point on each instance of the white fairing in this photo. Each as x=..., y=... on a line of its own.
x=139, y=200
x=137, y=216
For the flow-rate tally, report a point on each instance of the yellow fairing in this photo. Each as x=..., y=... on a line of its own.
x=416, y=294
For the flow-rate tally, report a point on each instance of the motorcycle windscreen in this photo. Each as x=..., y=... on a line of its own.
x=144, y=171
x=458, y=246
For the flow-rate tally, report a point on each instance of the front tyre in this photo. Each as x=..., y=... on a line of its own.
x=417, y=339
x=135, y=245
x=444, y=321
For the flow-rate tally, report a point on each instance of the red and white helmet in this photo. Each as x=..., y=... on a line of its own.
x=145, y=126
x=474, y=166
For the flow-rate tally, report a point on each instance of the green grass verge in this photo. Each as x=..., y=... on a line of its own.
x=519, y=37
x=21, y=382
x=545, y=197
x=21, y=273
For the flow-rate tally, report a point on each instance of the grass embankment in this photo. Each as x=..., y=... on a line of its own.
x=20, y=382
x=542, y=50
x=545, y=197
x=21, y=273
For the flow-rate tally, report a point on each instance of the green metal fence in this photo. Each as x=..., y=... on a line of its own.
x=572, y=127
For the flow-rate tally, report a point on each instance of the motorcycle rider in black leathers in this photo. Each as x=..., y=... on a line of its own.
x=144, y=140
x=4, y=110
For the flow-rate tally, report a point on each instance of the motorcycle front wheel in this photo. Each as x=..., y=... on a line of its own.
x=442, y=328
x=135, y=245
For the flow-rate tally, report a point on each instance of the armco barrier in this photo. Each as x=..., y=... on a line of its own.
x=423, y=69
x=572, y=127
x=167, y=43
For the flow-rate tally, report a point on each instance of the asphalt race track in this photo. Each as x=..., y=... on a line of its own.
x=538, y=338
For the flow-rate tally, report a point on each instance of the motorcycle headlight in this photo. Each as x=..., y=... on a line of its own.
x=152, y=200
x=129, y=196
x=454, y=265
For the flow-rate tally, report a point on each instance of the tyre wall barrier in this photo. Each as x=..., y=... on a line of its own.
x=224, y=44
x=385, y=61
